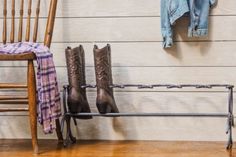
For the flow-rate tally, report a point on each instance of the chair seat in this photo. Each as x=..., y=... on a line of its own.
x=22, y=56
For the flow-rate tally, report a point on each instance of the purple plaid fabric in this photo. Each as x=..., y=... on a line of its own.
x=49, y=107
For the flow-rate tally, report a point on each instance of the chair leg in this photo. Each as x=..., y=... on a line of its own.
x=58, y=130
x=31, y=82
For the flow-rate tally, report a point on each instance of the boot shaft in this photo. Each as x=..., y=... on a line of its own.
x=76, y=67
x=102, y=60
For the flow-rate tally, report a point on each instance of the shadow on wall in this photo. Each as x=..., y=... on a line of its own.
x=125, y=104
x=181, y=37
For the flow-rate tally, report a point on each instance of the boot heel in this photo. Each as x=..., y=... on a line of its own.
x=104, y=108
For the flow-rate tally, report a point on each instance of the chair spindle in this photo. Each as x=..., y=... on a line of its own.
x=36, y=22
x=13, y=12
x=27, y=37
x=4, y=34
x=21, y=21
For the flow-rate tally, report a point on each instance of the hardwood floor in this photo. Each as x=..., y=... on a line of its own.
x=49, y=148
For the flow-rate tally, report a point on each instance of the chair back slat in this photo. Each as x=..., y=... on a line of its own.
x=36, y=22
x=4, y=33
x=21, y=21
x=26, y=31
x=27, y=36
x=50, y=23
x=13, y=12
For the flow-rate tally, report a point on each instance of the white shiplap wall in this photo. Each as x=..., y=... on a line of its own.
x=132, y=27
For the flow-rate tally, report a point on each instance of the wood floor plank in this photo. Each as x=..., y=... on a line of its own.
x=50, y=148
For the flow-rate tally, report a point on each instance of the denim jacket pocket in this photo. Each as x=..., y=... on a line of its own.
x=173, y=6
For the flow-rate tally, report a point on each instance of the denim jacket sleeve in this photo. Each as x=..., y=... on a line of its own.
x=166, y=30
x=171, y=10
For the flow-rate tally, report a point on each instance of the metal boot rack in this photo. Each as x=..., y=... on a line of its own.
x=229, y=115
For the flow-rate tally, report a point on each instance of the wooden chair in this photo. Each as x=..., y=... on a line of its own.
x=30, y=99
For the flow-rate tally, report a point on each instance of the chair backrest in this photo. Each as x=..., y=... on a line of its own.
x=48, y=28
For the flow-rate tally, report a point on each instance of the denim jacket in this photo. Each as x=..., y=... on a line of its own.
x=198, y=11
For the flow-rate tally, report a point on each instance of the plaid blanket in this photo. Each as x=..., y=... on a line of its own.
x=48, y=95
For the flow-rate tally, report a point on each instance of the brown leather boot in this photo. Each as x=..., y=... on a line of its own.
x=105, y=100
x=77, y=99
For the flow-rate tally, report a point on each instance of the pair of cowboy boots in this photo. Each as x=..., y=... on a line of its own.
x=77, y=99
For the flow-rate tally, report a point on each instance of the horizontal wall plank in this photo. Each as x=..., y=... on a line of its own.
x=13, y=127
x=177, y=129
x=95, y=8
x=195, y=129
x=91, y=8
x=146, y=75
x=123, y=30
x=152, y=54
x=160, y=102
